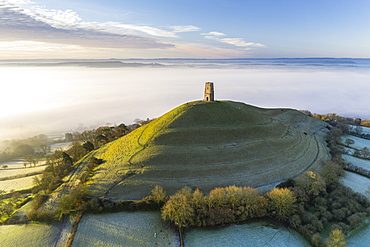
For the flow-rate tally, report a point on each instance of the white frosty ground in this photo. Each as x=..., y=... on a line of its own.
x=361, y=239
x=365, y=130
x=356, y=182
x=357, y=162
x=359, y=142
x=17, y=184
x=259, y=234
x=21, y=171
x=124, y=229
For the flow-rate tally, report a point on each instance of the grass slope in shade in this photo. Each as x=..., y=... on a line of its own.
x=29, y=235
x=208, y=145
x=124, y=229
x=248, y=235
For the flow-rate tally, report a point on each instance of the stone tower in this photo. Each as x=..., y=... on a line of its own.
x=208, y=92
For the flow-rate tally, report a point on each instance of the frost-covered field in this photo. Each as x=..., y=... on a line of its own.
x=360, y=239
x=21, y=171
x=356, y=182
x=29, y=235
x=17, y=184
x=356, y=161
x=259, y=234
x=359, y=142
x=14, y=164
x=124, y=229
x=365, y=130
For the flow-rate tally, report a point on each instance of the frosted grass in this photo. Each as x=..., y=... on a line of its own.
x=360, y=239
x=365, y=130
x=14, y=164
x=124, y=229
x=356, y=182
x=29, y=235
x=259, y=234
x=17, y=184
x=20, y=172
x=357, y=161
x=359, y=142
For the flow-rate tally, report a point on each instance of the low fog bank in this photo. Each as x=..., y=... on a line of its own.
x=49, y=100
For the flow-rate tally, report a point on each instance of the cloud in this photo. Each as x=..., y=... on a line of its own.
x=65, y=27
x=55, y=18
x=239, y=42
x=71, y=20
x=213, y=34
x=119, y=28
x=186, y=28
x=20, y=2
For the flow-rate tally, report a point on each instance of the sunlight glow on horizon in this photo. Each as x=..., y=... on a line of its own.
x=25, y=92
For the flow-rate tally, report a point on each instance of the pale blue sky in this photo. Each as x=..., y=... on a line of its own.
x=183, y=28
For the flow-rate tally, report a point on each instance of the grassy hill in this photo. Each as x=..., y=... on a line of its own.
x=207, y=145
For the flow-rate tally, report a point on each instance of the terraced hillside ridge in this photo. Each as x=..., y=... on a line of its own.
x=208, y=145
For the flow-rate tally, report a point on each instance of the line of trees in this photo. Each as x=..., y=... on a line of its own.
x=335, y=118
x=356, y=169
x=221, y=206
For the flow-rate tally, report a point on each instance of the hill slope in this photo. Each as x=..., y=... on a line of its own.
x=207, y=145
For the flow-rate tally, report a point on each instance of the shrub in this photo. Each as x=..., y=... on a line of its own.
x=312, y=183
x=355, y=220
x=331, y=172
x=282, y=202
x=336, y=239
x=178, y=210
x=38, y=201
x=316, y=240
x=159, y=195
x=41, y=215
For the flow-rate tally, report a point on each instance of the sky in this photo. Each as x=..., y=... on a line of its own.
x=100, y=29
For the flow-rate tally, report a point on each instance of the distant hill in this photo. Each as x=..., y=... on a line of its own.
x=208, y=145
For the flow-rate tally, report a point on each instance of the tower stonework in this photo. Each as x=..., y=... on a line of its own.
x=209, y=92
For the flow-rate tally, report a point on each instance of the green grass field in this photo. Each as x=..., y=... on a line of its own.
x=207, y=145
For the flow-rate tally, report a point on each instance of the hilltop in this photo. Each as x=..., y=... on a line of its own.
x=207, y=145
